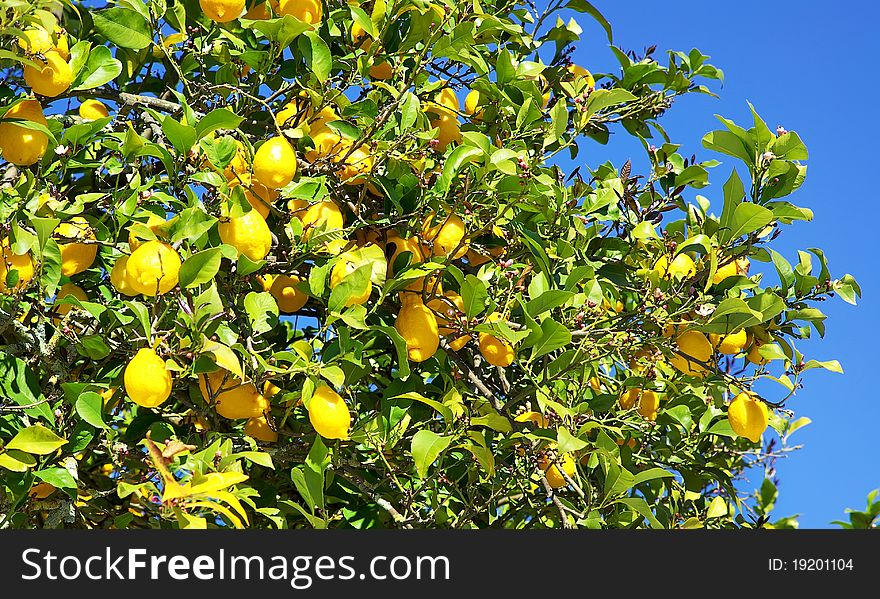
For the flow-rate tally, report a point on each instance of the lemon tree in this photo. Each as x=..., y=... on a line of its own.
x=322, y=264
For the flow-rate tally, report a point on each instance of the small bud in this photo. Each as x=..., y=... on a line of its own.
x=780, y=130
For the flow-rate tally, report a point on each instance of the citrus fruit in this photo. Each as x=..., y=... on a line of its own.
x=53, y=76
x=222, y=11
x=260, y=429
x=23, y=264
x=119, y=277
x=275, y=163
x=497, y=352
x=681, y=267
x=68, y=289
x=76, y=257
x=730, y=344
x=551, y=469
x=155, y=223
x=444, y=235
x=153, y=268
x=284, y=289
x=417, y=325
x=447, y=310
x=232, y=398
x=346, y=264
x=19, y=145
x=447, y=125
x=308, y=11
x=328, y=413
x=248, y=234
x=740, y=266
x=92, y=110
x=324, y=215
x=696, y=348
x=147, y=381
x=748, y=416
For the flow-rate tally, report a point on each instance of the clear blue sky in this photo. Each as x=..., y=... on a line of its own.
x=810, y=66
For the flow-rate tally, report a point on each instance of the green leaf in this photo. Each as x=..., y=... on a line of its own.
x=57, y=477
x=550, y=299
x=730, y=144
x=200, y=268
x=123, y=27
x=221, y=118
x=443, y=409
x=734, y=191
x=717, y=509
x=460, y=156
x=90, y=407
x=475, y=295
x=317, y=55
x=101, y=68
x=641, y=506
x=18, y=383
x=426, y=447
x=587, y=8
x=93, y=346
x=748, y=218
x=262, y=311
x=399, y=344
x=354, y=284
x=281, y=31
x=554, y=337
x=605, y=98
x=182, y=137
x=789, y=147
x=36, y=439
x=17, y=461
x=568, y=442
x=651, y=474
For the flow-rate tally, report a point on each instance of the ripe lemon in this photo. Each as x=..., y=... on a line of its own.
x=76, y=257
x=354, y=164
x=284, y=289
x=328, y=413
x=730, y=344
x=36, y=40
x=259, y=12
x=446, y=97
x=92, y=110
x=397, y=246
x=260, y=429
x=275, y=163
x=22, y=263
x=119, y=277
x=471, y=102
x=748, y=416
x=754, y=355
x=536, y=417
x=497, y=352
x=231, y=397
x=258, y=195
x=445, y=235
x=446, y=314
x=68, y=289
x=346, y=264
x=248, y=234
x=295, y=112
x=582, y=77
x=697, y=348
x=553, y=473
x=307, y=11
x=52, y=78
x=153, y=268
x=222, y=11
x=648, y=402
x=147, y=381
x=681, y=267
x=417, y=325
x=155, y=223
x=320, y=120
x=325, y=214
x=18, y=145
x=447, y=125
x=740, y=266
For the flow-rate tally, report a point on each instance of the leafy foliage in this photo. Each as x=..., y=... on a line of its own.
x=592, y=278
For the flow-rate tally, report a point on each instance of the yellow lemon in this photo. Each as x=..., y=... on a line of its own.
x=445, y=235
x=308, y=11
x=446, y=314
x=552, y=470
x=536, y=417
x=92, y=110
x=258, y=195
x=582, y=77
x=222, y=11
x=76, y=257
x=446, y=97
x=153, y=268
x=289, y=298
x=68, y=289
x=648, y=402
x=275, y=163
x=258, y=12
x=19, y=145
x=260, y=429
x=681, y=267
x=232, y=398
x=447, y=125
x=147, y=381
x=754, y=355
x=417, y=325
x=119, y=277
x=155, y=223
x=325, y=214
x=397, y=246
x=346, y=264
x=328, y=413
x=319, y=122
x=295, y=112
x=36, y=40
x=730, y=344
x=696, y=348
x=471, y=102
x=748, y=416
x=497, y=352
x=53, y=76
x=740, y=266
x=21, y=263
x=249, y=234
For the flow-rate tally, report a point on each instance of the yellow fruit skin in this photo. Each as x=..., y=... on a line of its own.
x=343, y=268
x=446, y=236
x=471, y=102
x=23, y=263
x=648, y=402
x=329, y=414
x=397, y=246
x=497, y=352
x=238, y=166
x=222, y=11
x=731, y=344
x=693, y=344
x=92, y=110
x=748, y=416
x=446, y=315
x=740, y=266
x=154, y=223
x=259, y=429
x=147, y=381
x=153, y=268
x=259, y=12
x=536, y=417
x=581, y=76
x=52, y=79
x=249, y=234
x=448, y=127
x=41, y=491
x=552, y=471
x=417, y=325
x=754, y=355
x=682, y=266
x=289, y=298
x=232, y=399
x=275, y=163
x=119, y=277
x=446, y=97
x=18, y=145
x=308, y=11
x=76, y=257
x=326, y=214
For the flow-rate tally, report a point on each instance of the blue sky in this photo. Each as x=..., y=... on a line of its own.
x=809, y=67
